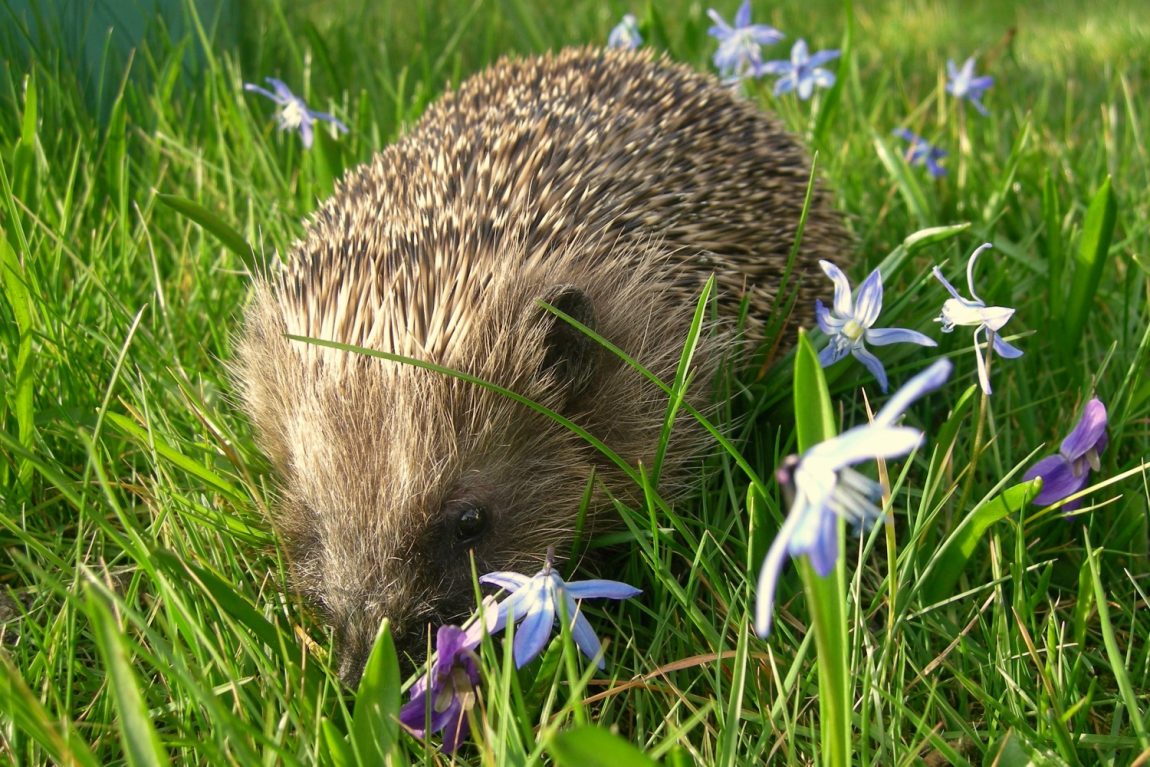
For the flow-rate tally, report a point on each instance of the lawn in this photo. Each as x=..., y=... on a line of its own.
x=146, y=612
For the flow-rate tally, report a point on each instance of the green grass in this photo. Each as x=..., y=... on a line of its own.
x=153, y=619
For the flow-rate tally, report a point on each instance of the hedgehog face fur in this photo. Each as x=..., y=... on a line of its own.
x=608, y=184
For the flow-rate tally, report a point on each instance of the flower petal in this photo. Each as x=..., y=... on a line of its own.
x=825, y=547
x=977, y=252
x=505, y=579
x=923, y=383
x=532, y=634
x=598, y=588
x=1088, y=432
x=946, y=284
x=262, y=91
x=868, y=300
x=1058, y=480
x=887, y=336
x=583, y=634
x=983, y=373
x=743, y=15
x=842, y=303
x=872, y=440
x=833, y=352
x=822, y=57
x=769, y=574
x=873, y=364
x=1005, y=349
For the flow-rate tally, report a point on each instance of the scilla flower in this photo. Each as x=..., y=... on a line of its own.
x=962, y=84
x=824, y=488
x=922, y=152
x=848, y=324
x=1068, y=471
x=293, y=112
x=625, y=34
x=443, y=698
x=973, y=312
x=802, y=72
x=533, y=601
x=740, y=47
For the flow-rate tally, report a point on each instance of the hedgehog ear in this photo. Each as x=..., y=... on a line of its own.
x=569, y=355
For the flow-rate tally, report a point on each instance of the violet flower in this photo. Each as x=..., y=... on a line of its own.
x=533, y=600
x=848, y=325
x=443, y=698
x=922, y=152
x=740, y=47
x=294, y=113
x=625, y=34
x=1067, y=471
x=825, y=487
x=962, y=84
x=973, y=311
x=802, y=72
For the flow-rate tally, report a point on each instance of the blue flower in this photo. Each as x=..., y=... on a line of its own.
x=848, y=325
x=533, y=600
x=625, y=34
x=740, y=53
x=802, y=72
x=1068, y=471
x=293, y=112
x=922, y=152
x=962, y=84
x=824, y=488
x=443, y=697
x=973, y=311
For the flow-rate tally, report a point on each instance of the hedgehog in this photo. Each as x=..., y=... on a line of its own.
x=608, y=185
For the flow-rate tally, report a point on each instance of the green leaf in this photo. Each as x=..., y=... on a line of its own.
x=224, y=232
x=375, y=724
x=336, y=752
x=952, y=559
x=591, y=746
x=1090, y=261
x=142, y=744
x=814, y=415
x=826, y=597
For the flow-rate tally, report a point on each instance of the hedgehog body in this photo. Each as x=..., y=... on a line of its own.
x=610, y=185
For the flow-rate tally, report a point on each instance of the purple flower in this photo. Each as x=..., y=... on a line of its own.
x=625, y=34
x=922, y=152
x=802, y=72
x=533, y=600
x=973, y=311
x=740, y=53
x=848, y=325
x=442, y=698
x=293, y=112
x=1067, y=472
x=962, y=84
x=824, y=488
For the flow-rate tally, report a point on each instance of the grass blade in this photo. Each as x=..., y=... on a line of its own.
x=1090, y=261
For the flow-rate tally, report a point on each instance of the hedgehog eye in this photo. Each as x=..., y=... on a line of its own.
x=468, y=520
